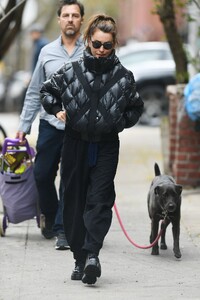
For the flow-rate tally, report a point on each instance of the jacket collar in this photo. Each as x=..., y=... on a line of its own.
x=101, y=64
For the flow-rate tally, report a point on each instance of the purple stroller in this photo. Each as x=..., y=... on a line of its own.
x=17, y=188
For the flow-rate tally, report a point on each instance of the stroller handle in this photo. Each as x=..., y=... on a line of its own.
x=15, y=142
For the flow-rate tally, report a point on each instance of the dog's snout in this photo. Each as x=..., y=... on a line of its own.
x=171, y=207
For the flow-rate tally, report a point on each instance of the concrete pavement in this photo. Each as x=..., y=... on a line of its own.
x=32, y=269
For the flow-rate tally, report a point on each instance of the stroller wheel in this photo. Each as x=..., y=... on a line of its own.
x=3, y=225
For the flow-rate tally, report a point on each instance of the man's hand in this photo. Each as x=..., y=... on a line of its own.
x=61, y=115
x=21, y=136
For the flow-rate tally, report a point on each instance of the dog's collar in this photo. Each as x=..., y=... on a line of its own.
x=164, y=214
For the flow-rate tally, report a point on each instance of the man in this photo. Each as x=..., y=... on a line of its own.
x=68, y=47
x=39, y=41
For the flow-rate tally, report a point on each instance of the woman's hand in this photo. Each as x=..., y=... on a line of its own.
x=61, y=115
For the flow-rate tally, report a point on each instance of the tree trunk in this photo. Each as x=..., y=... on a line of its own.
x=167, y=16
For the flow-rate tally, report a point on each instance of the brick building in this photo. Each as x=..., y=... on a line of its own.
x=184, y=142
x=136, y=21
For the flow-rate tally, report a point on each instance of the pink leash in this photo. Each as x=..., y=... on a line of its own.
x=130, y=240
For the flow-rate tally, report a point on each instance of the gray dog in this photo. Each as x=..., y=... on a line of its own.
x=164, y=202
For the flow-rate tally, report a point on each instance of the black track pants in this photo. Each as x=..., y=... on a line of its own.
x=89, y=194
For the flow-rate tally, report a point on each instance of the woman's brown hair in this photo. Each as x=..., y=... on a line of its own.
x=104, y=23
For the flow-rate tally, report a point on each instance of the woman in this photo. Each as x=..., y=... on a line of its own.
x=99, y=99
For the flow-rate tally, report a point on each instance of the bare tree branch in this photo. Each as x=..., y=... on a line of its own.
x=10, y=24
x=196, y=3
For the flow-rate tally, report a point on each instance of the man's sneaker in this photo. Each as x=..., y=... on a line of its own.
x=92, y=269
x=46, y=228
x=61, y=242
x=77, y=273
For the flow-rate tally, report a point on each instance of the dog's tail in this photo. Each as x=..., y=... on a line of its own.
x=157, y=170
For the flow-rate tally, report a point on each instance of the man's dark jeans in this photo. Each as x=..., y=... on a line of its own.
x=47, y=161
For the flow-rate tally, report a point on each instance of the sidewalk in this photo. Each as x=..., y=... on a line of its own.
x=32, y=269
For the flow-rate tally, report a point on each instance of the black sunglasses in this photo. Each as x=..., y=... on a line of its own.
x=98, y=44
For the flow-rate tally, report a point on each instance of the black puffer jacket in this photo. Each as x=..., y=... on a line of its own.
x=111, y=107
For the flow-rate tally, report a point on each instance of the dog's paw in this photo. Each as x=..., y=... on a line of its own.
x=163, y=246
x=177, y=254
x=155, y=252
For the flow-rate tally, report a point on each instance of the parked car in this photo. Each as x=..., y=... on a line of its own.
x=153, y=67
x=16, y=90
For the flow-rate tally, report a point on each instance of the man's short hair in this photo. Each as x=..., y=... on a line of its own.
x=70, y=2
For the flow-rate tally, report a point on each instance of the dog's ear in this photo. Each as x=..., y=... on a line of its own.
x=178, y=188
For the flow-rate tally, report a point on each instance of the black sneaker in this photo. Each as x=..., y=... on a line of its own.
x=92, y=269
x=77, y=273
x=46, y=228
x=61, y=242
